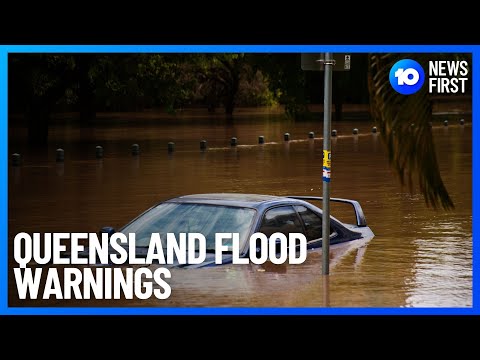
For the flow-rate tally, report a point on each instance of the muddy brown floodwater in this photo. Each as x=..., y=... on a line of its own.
x=419, y=257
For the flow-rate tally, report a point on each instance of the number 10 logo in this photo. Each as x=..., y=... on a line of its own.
x=407, y=76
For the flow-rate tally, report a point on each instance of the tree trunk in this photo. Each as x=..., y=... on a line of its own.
x=37, y=120
x=86, y=90
x=232, y=93
x=229, y=104
x=338, y=110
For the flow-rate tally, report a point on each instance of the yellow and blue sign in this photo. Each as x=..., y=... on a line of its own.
x=327, y=163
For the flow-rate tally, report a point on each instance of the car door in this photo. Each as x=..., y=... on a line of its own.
x=313, y=225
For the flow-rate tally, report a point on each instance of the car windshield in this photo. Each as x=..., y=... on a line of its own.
x=191, y=218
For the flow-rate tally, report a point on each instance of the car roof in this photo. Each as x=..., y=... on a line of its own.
x=233, y=199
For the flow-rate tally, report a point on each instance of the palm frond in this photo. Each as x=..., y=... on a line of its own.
x=404, y=123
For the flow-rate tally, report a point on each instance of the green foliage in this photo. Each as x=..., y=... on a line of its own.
x=218, y=79
x=404, y=124
x=40, y=78
x=167, y=79
x=126, y=82
x=286, y=80
x=254, y=89
x=49, y=72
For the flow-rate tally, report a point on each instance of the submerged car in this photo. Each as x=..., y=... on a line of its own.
x=245, y=214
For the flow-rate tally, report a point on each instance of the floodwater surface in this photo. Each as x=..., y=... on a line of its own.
x=419, y=257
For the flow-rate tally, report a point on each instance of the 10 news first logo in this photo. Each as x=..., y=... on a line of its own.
x=444, y=76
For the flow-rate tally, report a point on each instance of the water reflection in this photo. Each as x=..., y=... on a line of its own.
x=419, y=257
x=60, y=168
x=326, y=290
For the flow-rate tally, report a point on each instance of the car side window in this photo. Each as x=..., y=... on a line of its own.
x=283, y=219
x=312, y=223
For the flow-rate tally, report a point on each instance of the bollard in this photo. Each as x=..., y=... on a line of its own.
x=311, y=135
x=203, y=144
x=135, y=149
x=233, y=141
x=286, y=136
x=171, y=146
x=462, y=121
x=60, y=155
x=334, y=133
x=374, y=129
x=16, y=159
x=355, y=131
x=99, y=152
x=445, y=123
x=261, y=139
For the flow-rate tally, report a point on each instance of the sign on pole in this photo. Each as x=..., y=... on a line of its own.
x=315, y=62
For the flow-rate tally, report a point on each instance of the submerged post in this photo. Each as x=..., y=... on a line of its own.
x=327, y=117
x=326, y=62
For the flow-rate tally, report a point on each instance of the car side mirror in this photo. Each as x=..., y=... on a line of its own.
x=108, y=230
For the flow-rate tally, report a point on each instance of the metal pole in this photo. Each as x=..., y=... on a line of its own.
x=327, y=117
